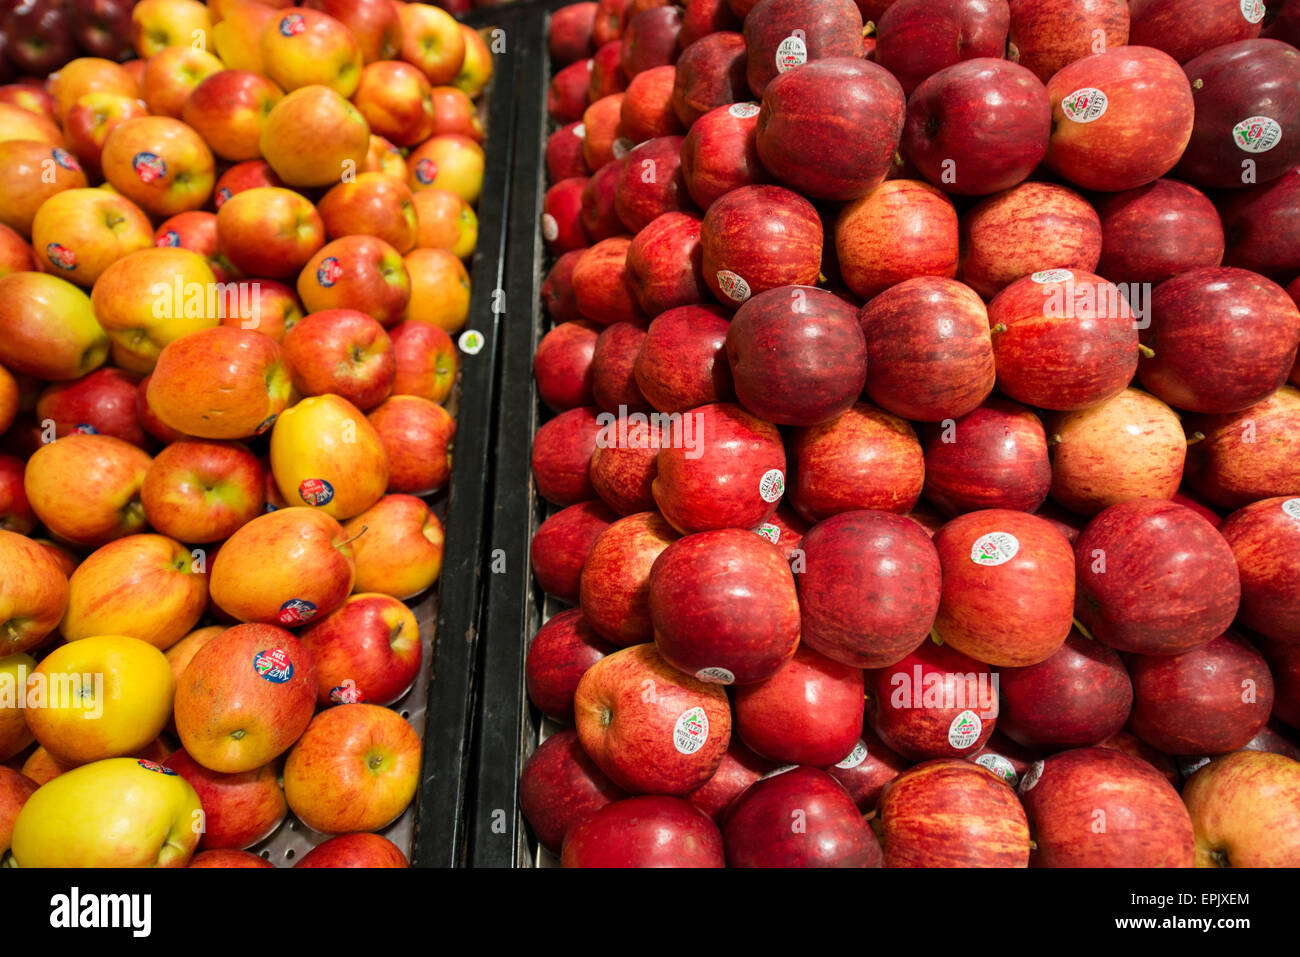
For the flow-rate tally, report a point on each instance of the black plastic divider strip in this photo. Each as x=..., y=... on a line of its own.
x=442, y=809
x=496, y=835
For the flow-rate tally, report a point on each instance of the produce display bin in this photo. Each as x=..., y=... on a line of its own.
x=509, y=728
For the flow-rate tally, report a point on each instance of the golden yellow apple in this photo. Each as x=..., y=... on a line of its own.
x=14, y=733
x=326, y=455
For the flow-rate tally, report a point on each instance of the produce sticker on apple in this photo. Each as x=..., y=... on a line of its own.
x=964, y=730
x=743, y=111
x=315, y=491
x=856, y=756
x=732, y=285
x=790, y=53
x=995, y=548
x=296, y=611
x=274, y=664
x=772, y=486
x=149, y=167
x=1084, y=105
x=769, y=531
x=691, y=730
x=999, y=766
x=715, y=675
x=1031, y=777
x=1257, y=134
x=155, y=767
x=1292, y=507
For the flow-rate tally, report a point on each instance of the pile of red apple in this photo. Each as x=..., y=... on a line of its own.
x=230, y=274
x=925, y=458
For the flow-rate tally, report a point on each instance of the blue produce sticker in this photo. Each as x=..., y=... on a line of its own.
x=274, y=664
x=296, y=611
x=316, y=491
x=149, y=167
x=155, y=767
x=329, y=271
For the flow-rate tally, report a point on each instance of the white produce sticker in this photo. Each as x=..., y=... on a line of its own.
x=550, y=228
x=691, y=730
x=790, y=53
x=856, y=756
x=965, y=730
x=580, y=131
x=769, y=531
x=1292, y=507
x=471, y=342
x=781, y=770
x=743, y=111
x=1253, y=10
x=772, y=485
x=1084, y=105
x=621, y=147
x=1052, y=275
x=999, y=766
x=1031, y=777
x=732, y=285
x=1257, y=134
x=995, y=548
x=717, y=676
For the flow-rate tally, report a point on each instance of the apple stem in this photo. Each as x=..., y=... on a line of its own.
x=1000, y=327
x=1195, y=437
x=1197, y=83
x=1054, y=439
x=1013, y=52
x=1147, y=351
x=821, y=279
x=364, y=529
x=935, y=636
x=1033, y=845
x=868, y=28
x=1083, y=630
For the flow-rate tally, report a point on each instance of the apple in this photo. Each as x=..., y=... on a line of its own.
x=569, y=36
x=609, y=20
x=1015, y=233
x=90, y=120
x=566, y=97
x=830, y=128
x=623, y=469
x=797, y=355
x=306, y=47
x=368, y=649
x=268, y=306
x=247, y=175
x=606, y=77
x=560, y=545
x=196, y=230
x=1248, y=455
x=1259, y=224
x=1243, y=808
x=651, y=183
x=326, y=454
x=15, y=735
x=341, y=351
x=559, y=298
x=682, y=362
x=313, y=136
x=650, y=831
x=1211, y=699
x=560, y=787
x=103, y=402
x=1135, y=747
x=826, y=30
x=426, y=360
x=122, y=686
x=1063, y=339
x=383, y=157
x=720, y=153
x=202, y=491
x=978, y=127
x=603, y=285
x=564, y=152
x=85, y=488
x=866, y=458
x=1098, y=807
x=103, y=27
x=397, y=546
x=269, y=231
x=48, y=328
x=122, y=812
x=16, y=255
x=241, y=366
x=397, y=101
x=1120, y=118
x=867, y=769
x=236, y=37
x=448, y=161
x=416, y=435
x=356, y=272
x=159, y=163
x=1197, y=320
x=710, y=73
x=239, y=810
x=229, y=109
x=78, y=233
x=562, y=454
x=756, y=238
x=245, y=698
x=599, y=219
x=723, y=607
x=376, y=24
x=562, y=365
x=1262, y=536
x=1050, y=34
x=561, y=217
x=355, y=850
x=998, y=563
x=668, y=741
x=808, y=712
x=444, y=221
x=1130, y=446
x=433, y=41
x=1155, y=232
x=39, y=36
x=225, y=857
x=902, y=230
x=739, y=769
x=952, y=813
x=703, y=17
x=16, y=514
x=995, y=457
x=798, y=818
x=253, y=579
x=84, y=75
x=1241, y=113
x=172, y=74
x=933, y=703
x=647, y=108
x=1174, y=559
x=15, y=790
x=163, y=23
x=612, y=383
x=614, y=589
x=355, y=768
x=35, y=594
x=558, y=656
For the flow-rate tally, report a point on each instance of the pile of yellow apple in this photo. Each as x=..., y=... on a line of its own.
x=230, y=274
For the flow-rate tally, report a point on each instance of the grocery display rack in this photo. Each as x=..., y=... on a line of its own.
x=508, y=727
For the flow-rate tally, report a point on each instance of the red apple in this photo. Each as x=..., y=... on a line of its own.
x=650, y=183
x=570, y=35
x=376, y=25
x=1248, y=455
x=682, y=363
x=558, y=295
x=561, y=216
x=710, y=73
x=869, y=588
x=269, y=231
x=199, y=491
x=739, y=769
x=951, y=813
x=561, y=454
x=995, y=457
x=1261, y=230
x=562, y=365
x=103, y=401
x=651, y=831
x=368, y=649
x=650, y=39
x=1050, y=34
x=603, y=285
x=665, y=263
x=560, y=545
x=904, y=229
x=1244, y=809
x=426, y=360
x=599, y=219
x=1264, y=538
x=356, y=272
x=647, y=110
x=239, y=810
x=756, y=238
x=342, y=351
x=416, y=435
x=720, y=153
x=614, y=589
x=917, y=38
x=1155, y=232
x=354, y=850
x=798, y=818
x=560, y=787
x=867, y=769
x=566, y=97
x=558, y=656
x=827, y=29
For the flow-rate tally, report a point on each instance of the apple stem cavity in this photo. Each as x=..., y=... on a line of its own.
x=1000, y=327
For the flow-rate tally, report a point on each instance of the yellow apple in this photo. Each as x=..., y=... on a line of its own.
x=305, y=47
x=14, y=733
x=102, y=697
x=476, y=69
x=79, y=233
x=237, y=36
x=85, y=75
x=147, y=586
x=313, y=136
x=19, y=124
x=160, y=163
x=325, y=454
x=171, y=74
x=156, y=24
x=48, y=328
x=448, y=161
x=122, y=812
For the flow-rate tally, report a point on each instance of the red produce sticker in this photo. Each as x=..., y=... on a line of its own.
x=65, y=159
x=155, y=767
x=296, y=611
x=61, y=256
x=426, y=171
x=316, y=491
x=274, y=665
x=292, y=25
x=150, y=167
x=171, y=238
x=329, y=271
